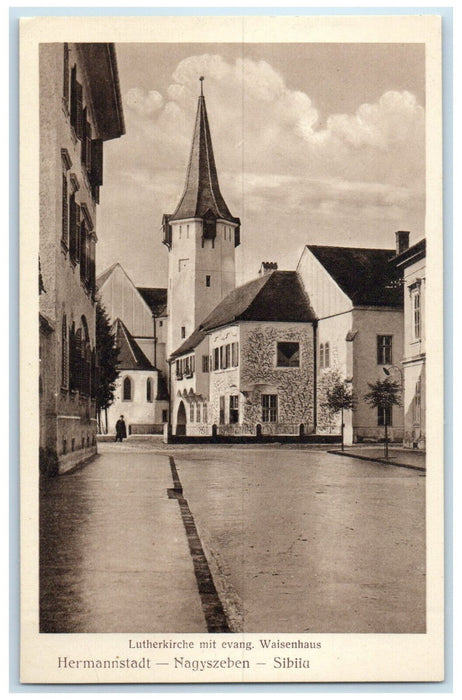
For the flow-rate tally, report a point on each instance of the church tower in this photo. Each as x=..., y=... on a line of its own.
x=201, y=236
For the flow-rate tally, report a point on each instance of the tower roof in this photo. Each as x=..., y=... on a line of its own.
x=202, y=194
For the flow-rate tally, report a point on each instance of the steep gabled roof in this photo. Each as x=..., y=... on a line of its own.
x=366, y=275
x=202, y=194
x=101, y=279
x=155, y=298
x=278, y=297
x=130, y=354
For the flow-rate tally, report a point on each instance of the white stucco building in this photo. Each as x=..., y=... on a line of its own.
x=411, y=261
x=140, y=323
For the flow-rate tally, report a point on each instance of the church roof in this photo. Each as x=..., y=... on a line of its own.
x=130, y=354
x=155, y=298
x=366, y=275
x=101, y=279
x=277, y=297
x=202, y=194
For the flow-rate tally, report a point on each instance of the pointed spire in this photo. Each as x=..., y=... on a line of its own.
x=202, y=194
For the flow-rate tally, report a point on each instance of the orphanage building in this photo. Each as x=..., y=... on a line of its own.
x=258, y=359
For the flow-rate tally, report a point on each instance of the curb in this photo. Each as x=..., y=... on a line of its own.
x=377, y=459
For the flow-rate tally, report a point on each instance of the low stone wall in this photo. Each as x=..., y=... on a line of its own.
x=252, y=439
x=145, y=428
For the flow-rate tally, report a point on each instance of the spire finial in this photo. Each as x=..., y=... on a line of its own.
x=202, y=83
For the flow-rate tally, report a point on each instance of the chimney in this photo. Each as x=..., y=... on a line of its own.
x=266, y=268
x=402, y=241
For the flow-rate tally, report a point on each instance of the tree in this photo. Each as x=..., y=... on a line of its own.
x=107, y=354
x=384, y=394
x=339, y=398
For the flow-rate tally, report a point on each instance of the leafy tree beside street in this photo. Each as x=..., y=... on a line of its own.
x=383, y=395
x=339, y=398
x=106, y=370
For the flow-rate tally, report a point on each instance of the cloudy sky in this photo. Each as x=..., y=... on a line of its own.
x=314, y=143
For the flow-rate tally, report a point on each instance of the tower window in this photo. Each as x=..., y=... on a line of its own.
x=187, y=231
x=207, y=280
x=180, y=233
x=149, y=390
x=183, y=331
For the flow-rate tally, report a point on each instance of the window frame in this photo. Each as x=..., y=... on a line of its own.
x=234, y=408
x=384, y=349
x=385, y=413
x=130, y=384
x=269, y=413
x=289, y=363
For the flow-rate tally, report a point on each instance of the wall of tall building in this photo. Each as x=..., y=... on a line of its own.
x=70, y=176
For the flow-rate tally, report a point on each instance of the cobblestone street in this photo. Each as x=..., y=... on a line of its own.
x=296, y=540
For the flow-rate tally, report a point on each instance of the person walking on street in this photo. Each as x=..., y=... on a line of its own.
x=121, y=429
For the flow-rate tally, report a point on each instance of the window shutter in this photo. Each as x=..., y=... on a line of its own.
x=66, y=76
x=72, y=227
x=73, y=96
x=79, y=110
x=77, y=232
x=96, y=157
x=88, y=146
x=65, y=213
x=83, y=251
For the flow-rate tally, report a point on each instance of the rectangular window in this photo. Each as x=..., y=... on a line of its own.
x=416, y=315
x=235, y=354
x=234, y=409
x=384, y=416
x=178, y=369
x=164, y=416
x=269, y=404
x=187, y=231
x=198, y=413
x=216, y=358
x=204, y=414
x=207, y=280
x=205, y=363
x=227, y=356
x=321, y=356
x=83, y=251
x=222, y=357
x=183, y=331
x=222, y=410
x=76, y=104
x=288, y=354
x=191, y=412
x=384, y=350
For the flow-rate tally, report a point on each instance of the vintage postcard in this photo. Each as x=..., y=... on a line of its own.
x=231, y=349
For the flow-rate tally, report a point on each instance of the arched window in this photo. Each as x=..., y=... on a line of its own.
x=321, y=355
x=326, y=355
x=127, y=389
x=149, y=389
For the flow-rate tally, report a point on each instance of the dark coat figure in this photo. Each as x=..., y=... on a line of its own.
x=121, y=429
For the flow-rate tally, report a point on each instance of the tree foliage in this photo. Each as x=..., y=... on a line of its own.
x=107, y=354
x=384, y=393
x=339, y=397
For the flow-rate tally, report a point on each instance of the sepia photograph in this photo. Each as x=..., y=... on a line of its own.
x=231, y=362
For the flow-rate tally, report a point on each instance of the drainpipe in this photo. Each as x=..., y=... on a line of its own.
x=315, y=377
x=155, y=340
x=169, y=422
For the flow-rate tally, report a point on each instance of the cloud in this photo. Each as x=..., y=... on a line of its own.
x=142, y=102
x=283, y=165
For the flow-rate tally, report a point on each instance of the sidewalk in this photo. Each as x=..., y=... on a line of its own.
x=115, y=556
x=397, y=456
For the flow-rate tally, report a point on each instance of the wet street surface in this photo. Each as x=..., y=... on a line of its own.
x=296, y=541
x=114, y=555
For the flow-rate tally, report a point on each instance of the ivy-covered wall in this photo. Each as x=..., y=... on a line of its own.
x=258, y=365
